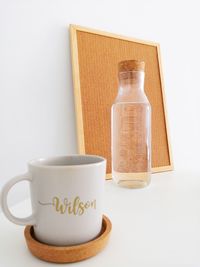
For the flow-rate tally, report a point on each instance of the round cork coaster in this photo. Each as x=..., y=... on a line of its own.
x=66, y=254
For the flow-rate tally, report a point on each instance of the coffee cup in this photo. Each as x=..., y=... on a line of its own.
x=66, y=198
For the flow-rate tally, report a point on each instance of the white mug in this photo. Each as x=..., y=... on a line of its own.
x=66, y=197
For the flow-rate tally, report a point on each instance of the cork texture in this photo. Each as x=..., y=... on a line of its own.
x=68, y=254
x=98, y=58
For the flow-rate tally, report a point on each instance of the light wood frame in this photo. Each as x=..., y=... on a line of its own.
x=74, y=29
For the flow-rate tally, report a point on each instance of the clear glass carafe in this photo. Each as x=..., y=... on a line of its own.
x=131, y=128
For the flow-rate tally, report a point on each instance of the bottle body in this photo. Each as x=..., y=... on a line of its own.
x=131, y=133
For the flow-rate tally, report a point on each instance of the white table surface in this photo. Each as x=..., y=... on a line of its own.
x=155, y=226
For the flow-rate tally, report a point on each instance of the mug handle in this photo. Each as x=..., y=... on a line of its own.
x=30, y=220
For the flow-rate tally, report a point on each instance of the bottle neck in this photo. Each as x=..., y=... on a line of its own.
x=131, y=81
x=131, y=87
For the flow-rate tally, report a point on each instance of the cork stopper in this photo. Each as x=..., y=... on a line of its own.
x=131, y=65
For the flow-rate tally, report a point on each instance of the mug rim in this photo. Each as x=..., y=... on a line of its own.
x=40, y=162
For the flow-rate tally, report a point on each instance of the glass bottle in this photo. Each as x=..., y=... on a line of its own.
x=131, y=128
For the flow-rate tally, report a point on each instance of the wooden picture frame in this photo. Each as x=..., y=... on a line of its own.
x=95, y=55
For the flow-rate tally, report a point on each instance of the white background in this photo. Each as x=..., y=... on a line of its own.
x=36, y=93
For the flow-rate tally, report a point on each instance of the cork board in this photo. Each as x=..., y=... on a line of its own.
x=95, y=56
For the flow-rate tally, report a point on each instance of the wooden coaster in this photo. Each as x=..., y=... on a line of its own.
x=68, y=253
